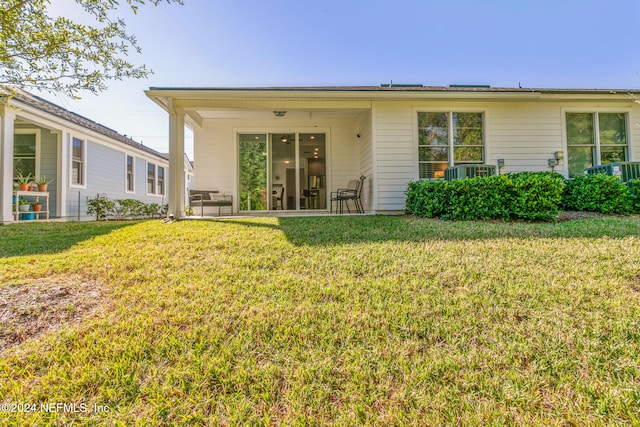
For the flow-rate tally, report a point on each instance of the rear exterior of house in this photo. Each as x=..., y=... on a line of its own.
x=84, y=159
x=308, y=142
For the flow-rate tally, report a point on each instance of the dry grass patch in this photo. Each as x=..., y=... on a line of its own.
x=32, y=307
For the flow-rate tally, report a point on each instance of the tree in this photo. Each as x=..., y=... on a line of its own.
x=38, y=51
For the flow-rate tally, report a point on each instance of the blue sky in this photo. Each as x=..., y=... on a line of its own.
x=247, y=43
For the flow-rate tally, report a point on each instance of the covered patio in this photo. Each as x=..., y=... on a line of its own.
x=270, y=150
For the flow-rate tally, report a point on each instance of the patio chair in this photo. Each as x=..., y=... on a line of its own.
x=278, y=195
x=343, y=195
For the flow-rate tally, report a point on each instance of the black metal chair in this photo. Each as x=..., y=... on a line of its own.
x=342, y=196
x=278, y=195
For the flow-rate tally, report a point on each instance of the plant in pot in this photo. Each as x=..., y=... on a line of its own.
x=43, y=183
x=23, y=205
x=36, y=206
x=23, y=181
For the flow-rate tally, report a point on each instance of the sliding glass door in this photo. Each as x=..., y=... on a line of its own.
x=282, y=171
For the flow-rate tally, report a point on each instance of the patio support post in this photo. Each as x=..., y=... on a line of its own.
x=176, y=161
x=7, y=119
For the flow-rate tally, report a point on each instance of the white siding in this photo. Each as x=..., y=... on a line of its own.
x=216, y=156
x=524, y=134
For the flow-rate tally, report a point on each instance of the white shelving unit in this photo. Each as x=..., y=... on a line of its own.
x=32, y=196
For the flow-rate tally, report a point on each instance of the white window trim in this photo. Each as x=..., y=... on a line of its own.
x=84, y=162
x=155, y=179
x=450, y=136
x=126, y=173
x=37, y=133
x=164, y=180
x=595, y=112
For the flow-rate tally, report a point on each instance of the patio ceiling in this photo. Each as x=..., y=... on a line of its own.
x=257, y=114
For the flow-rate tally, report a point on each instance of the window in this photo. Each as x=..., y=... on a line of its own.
x=151, y=178
x=130, y=181
x=587, y=147
x=446, y=139
x=161, y=180
x=24, y=154
x=77, y=161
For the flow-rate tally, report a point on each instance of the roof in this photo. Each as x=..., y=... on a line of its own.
x=51, y=108
x=401, y=88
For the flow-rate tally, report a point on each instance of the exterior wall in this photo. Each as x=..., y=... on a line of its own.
x=216, y=150
x=365, y=149
x=524, y=134
x=47, y=159
x=106, y=168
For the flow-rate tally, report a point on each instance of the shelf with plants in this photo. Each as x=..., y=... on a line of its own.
x=29, y=205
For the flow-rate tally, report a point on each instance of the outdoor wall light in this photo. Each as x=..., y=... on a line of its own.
x=559, y=155
x=279, y=113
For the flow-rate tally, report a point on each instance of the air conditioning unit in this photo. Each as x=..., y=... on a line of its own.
x=468, y=171
x=625, y=170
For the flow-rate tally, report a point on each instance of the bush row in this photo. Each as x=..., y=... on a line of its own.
x=536, y=196
x=104, y=208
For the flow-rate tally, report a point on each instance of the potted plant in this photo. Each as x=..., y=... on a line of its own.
x=36, y=206
x=43, y=183
x=23, y=205
x=23, y=181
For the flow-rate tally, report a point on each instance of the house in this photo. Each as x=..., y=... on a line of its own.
x=253, y=143
x=83, y=157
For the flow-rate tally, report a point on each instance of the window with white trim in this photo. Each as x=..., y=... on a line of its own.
x=151, y=178
x=78, y=152
x=130, y=178
x=24, y=154
x=595, y=139
x=448, y=138
x=161, y=178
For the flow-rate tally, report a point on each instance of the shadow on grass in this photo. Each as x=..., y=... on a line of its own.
x=51, y=237
x=306, y=231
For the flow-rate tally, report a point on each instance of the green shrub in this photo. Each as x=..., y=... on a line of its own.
x=597, y=193
x=426, y=198
x=536, y=195
x=104, y=208
x=634, y=195
x=101, y=207
x=529, y=195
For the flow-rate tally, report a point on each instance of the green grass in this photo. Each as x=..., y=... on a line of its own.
x=359, y=320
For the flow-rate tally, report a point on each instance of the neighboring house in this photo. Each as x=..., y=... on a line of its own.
x=252, y=142
x=85, y=158
x=188, y=176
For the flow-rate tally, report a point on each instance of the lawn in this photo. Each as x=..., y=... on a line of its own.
x=354, y=320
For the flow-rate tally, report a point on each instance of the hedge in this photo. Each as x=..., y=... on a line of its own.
x=526, y=195
x=597, y=193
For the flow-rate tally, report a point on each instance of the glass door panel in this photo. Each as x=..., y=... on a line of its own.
x=253, y=172
x=313, y=171
x=283, y=166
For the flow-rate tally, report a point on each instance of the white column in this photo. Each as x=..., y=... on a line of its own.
x=62, y=180
x=176, y=161
x=7, y=119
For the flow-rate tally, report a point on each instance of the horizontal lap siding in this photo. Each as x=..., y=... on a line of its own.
x=216, y=157
x=525, y=135
x=366, y=157
x=396, y=162
x=106, y=175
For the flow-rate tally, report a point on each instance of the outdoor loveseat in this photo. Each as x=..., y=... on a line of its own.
x=207, y=198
